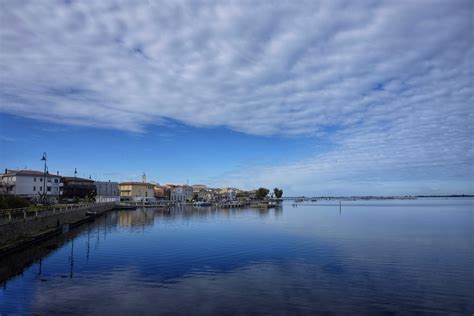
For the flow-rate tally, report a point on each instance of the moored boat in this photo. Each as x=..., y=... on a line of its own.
x=202, y=204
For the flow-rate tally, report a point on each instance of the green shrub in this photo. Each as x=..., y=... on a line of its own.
x=11, y=201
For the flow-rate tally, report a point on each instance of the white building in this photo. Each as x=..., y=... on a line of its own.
x=32, y=184
x=188, y=191
x=107, y=191
x=231, y=195
x=178, y=194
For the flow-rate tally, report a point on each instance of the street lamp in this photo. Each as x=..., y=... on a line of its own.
x=45, y=158
x=74, y=185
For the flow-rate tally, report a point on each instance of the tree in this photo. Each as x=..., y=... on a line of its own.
x=262, y=193
x=278, y=193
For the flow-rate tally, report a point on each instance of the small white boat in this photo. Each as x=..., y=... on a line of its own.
x=202, y=204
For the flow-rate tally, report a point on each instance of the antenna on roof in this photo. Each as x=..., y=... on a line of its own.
x=144, y=177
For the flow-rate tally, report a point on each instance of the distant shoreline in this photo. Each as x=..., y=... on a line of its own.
x=373, y=197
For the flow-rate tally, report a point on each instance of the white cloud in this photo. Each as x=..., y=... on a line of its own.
x=392, y=79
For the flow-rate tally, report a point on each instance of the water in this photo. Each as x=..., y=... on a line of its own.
x=371, y=256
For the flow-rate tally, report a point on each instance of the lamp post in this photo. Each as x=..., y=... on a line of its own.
x=74, y=185
x=45, y=158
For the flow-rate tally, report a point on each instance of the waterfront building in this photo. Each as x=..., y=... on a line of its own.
x=246, y=195
x=159, y=191
x=202, y=195
x=162, y=192
x=107, y=191
x=198, y=187
x=136, y=191
x=210, y=195
x=32, y=184
x=178, y=194
x=224, y=190
x=188, y=191
x=78, y=188
x=229, y=194
x=252, y=194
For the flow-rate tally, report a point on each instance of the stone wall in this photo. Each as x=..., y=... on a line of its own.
x=13, y=232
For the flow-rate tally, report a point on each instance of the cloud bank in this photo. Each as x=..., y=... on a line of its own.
x=389, y=84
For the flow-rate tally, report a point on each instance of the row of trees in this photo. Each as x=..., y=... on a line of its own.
x=263, y=192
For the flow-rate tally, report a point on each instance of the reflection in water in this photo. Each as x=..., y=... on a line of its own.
x=132, y=220
x=139, y=218
x=146, y=217
x=241, y=261
x=71, y=258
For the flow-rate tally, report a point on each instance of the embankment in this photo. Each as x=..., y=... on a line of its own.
x=19, y=234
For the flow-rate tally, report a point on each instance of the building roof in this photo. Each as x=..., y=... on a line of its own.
x=77, y=179
x=110, y=182
x=28, y=173
x=135, y=183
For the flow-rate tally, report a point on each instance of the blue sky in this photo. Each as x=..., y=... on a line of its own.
x=329, y=97
x=173, y=153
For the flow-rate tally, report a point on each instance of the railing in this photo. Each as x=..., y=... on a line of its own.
x=23, y=214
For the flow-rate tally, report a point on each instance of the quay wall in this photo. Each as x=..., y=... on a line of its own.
x=19, y=231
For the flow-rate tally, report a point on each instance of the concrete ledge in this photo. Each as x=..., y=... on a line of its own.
x=17, y=236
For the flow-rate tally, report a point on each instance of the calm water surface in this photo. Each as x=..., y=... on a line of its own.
x=379, y=256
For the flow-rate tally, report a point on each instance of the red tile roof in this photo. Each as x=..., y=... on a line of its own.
x=28, y=173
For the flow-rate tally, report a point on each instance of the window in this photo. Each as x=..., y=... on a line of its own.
x=41, y=188
x=49, y=179
x=34, y=179
x=56, y=180
x=34, y=188
x=41, y=179
x=49, y=189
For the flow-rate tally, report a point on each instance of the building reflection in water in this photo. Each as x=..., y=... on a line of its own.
x=137, y=218
x=93, y=232
x=145, y=217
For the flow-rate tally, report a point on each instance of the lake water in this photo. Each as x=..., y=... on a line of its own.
x=399, y=256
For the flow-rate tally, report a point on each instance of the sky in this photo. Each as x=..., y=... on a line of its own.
x=315, y=97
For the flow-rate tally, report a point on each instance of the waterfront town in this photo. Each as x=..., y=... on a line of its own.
x=36, y=205
x=236, y=157
x=43, y=187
